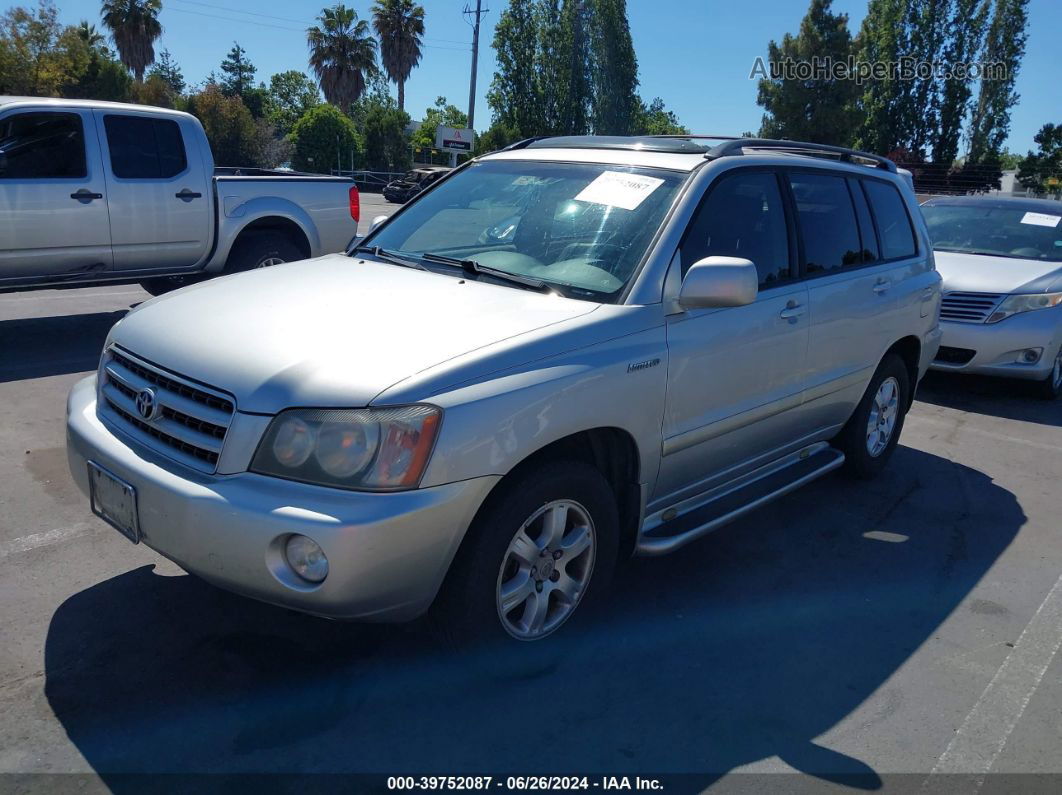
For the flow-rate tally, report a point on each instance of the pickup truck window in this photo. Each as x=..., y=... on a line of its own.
x=582, y=226
x=143, y=148
x=897, y=236
x=42, y=146
x=827, y=222
x=742, y=216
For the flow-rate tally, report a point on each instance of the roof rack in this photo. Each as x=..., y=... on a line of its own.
x=737, y=146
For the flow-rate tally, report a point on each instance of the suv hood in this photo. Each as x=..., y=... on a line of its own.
x=334, y=331
x=980, y=273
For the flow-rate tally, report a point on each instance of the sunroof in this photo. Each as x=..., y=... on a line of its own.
x=637, y=143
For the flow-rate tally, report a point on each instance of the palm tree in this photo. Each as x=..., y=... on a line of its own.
x=88, y=34
x=342, y=54
x=400, y=26
x=134, y=25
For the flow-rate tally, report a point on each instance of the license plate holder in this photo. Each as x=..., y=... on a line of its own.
x=114, y=501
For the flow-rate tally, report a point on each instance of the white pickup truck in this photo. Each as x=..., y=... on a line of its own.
x=101, y=191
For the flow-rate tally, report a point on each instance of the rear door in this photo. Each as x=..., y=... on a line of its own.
x=53, y=206
x=735, y=375
x=159, y=191
x=853, y=291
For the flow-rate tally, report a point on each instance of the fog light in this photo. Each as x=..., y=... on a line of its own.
x=1031, y=355
x=306, y=558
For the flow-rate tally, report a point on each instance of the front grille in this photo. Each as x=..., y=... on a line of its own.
x=969, y=307
x=190, y=422
x=948, y=355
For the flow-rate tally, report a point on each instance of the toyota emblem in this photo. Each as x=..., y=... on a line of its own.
x=146, y=404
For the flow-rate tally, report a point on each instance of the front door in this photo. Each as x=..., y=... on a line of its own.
x=735, y=375
x=160, y=191
x=53, y=198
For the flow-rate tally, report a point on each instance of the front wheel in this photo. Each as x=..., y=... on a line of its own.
x=872, y=432
x=1050, y=388
x=541, y=551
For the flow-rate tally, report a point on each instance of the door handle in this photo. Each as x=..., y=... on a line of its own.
x=188, y=195
x=85, y=195
x=792, y=311
x=882, y=286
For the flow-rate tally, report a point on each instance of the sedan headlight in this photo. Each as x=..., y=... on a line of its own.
x=366, y=449
x=1014, y=304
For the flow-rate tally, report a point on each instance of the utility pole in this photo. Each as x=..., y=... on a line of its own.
x=479, y=12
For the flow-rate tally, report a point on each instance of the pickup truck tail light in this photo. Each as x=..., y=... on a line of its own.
x=355, y=204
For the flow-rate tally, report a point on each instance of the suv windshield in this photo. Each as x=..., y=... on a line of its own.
x=581, y=227
x=988, y=228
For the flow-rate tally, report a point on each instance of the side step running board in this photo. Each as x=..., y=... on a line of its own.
x=736, y=502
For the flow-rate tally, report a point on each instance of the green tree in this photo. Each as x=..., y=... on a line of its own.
x=237, y=73
x=400, y=26
x=383, y=125
x=135, y=27
x=1042, y=171
x=822, y=109
x=323, y=139
x=342, y=54
x=965, y=35
x=443, y=113
x=515, y=97
x=230, y=128
x=92, y=38
x=102, y=78
x=614, y=70
x=30, y=50
x=167, y=70
x=498, y=136
x=882, y=39
x=655, y=119
x=1004, y=46
x=574, y=86
x=291, y=95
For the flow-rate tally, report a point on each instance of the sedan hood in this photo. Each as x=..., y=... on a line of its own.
x=979, y=273
x=334, y=331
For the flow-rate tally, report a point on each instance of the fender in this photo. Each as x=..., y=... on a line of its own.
x=236, y=215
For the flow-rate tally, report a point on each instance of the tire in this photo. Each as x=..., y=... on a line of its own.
x=1050, y=388
x=865, y=454
x=261, y=249
x=469, y=609
x=165, y=284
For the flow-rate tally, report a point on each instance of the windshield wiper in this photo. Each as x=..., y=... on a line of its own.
x=390, y=256
x=471, y=266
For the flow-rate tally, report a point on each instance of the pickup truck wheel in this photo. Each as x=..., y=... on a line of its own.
x=541, y=552
x=261, y=250
x=872, y=432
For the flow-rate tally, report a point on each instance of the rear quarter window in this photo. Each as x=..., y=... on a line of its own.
x=894, y=224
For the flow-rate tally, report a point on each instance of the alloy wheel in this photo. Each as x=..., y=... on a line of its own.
x=884, y=411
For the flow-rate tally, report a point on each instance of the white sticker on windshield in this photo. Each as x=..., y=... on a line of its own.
x=1041, y=219
x=617, y=189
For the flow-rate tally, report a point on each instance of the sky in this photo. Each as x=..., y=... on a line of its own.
x=695, y=54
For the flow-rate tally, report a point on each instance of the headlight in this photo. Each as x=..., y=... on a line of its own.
x=367, y=449
x=1014, y=304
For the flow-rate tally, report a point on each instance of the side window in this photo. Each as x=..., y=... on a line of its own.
x=827, y=222
x=143, y=148
x=42, y=146
x=867, y=234
x=897, y=236
x=742, y=216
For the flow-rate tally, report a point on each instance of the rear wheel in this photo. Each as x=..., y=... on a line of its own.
x=261, y=250
x=540, y=553
x=1051, y=387
x=872, y=432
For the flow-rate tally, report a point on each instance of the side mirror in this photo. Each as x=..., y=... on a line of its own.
x=719, y=281
x=375, y=223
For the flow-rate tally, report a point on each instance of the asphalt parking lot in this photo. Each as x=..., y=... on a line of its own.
x=849, y=631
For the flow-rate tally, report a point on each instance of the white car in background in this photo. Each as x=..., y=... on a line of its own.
x=1001, y=261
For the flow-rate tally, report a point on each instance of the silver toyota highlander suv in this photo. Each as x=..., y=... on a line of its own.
x=565, y=352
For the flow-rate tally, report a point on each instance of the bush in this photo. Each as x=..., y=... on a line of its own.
x=233, y=136
x=323, y=139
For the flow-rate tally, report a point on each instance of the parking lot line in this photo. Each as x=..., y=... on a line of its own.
x=979, y=741
x=69, y=294
x=44, y=539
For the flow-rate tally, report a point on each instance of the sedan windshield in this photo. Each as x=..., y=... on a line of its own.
x=988, y=228
x=583, y=228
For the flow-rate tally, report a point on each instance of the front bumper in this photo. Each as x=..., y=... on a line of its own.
x=997, y=347
x=387, y=553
